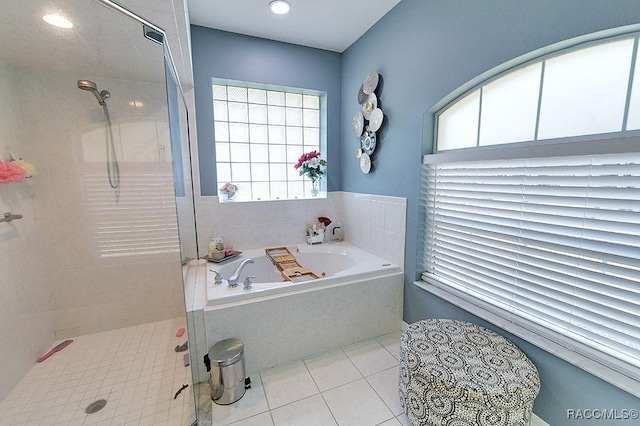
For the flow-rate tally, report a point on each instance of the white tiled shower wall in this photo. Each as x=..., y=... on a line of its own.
x=66, y=137
x=26, y=320
x=53, y=282
x=374, y=223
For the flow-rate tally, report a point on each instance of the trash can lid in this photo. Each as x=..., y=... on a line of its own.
x=226, y=352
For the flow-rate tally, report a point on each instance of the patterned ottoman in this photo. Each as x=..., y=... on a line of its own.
x=455, y=373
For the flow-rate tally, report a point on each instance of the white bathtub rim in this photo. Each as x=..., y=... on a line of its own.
x=278, y=289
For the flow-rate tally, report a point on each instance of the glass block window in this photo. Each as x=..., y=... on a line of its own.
x=260, y=134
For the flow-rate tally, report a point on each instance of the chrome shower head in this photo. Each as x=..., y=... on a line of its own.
x=93, y=88
x=87, y=85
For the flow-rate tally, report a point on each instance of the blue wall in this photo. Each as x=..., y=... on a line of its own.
x=219, y=54
x=425, y=49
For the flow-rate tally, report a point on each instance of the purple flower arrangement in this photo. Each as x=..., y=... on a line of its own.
x=311, y=165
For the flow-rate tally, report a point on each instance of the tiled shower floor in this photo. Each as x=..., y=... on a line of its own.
x=136, y=369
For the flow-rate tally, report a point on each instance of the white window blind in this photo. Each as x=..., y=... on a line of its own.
x=555, y=241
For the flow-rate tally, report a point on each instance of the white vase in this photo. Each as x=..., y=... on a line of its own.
x=228, y=197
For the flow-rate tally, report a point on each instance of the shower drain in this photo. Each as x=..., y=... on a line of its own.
x=96, y=406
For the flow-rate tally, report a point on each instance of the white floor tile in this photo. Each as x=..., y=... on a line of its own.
x=252, y=403
x=332, y=370
x=312, y=411
x=263, y=419
x=136, y=367
x=287, y=384
x=386, y=385
x=392, y=422
x=391, y=342
x=357, y=404
x=370, y=357
x=404, y=420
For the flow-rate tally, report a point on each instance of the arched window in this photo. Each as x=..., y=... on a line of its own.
x=586, y=91
x=531, y=205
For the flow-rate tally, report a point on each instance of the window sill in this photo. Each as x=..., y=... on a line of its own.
x=544, y=339
x=224, y=200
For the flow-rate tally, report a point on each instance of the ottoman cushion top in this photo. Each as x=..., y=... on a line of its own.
x=460, y=358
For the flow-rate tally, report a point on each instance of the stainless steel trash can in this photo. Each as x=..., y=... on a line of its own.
x=226, y=365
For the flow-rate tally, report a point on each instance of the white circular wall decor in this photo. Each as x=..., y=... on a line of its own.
x=367, y=121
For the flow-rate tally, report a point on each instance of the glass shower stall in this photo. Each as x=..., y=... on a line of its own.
x=93, y=111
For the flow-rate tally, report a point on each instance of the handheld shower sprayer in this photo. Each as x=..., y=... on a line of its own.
x=93, y=88
x=113, y=170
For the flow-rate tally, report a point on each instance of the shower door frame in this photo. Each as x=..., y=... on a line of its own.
x=151, y=32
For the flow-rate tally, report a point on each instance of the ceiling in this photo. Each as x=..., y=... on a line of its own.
x=106, y=43
x=327, y=24
x=101, y=43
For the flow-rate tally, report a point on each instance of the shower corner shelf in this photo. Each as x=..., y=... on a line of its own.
x=8, y=217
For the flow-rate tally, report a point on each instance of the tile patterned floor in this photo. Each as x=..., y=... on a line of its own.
x=353, y=386
x=136, y=369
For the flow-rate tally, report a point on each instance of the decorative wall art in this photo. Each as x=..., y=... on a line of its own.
x=367, y=121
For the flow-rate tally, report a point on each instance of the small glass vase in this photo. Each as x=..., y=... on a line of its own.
x=228, y=197
x=315, y=188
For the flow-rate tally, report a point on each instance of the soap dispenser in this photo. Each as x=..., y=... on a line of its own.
x=337, y=232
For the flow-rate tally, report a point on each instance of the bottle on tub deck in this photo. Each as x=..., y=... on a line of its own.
x=337, y=232
x=216, y=247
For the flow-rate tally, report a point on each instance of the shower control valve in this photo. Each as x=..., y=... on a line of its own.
x=247, y=282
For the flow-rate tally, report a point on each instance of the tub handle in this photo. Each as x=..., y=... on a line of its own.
x=218, y=278
x=247, y=282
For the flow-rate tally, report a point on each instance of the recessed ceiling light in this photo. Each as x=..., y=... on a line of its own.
x=280, y=7
x=58, y=21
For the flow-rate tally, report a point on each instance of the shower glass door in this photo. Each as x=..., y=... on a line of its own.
x=94, y=103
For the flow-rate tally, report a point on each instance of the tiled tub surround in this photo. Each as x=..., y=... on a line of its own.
x=293, y=326
x=374, y=223
x=287, y=328
x=282, y=328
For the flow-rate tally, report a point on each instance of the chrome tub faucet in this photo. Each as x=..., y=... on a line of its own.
x=233, y=279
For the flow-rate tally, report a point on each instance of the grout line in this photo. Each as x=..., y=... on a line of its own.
x=380, y=396
x=264, y=391
x=346, y=383
x=333, y=416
